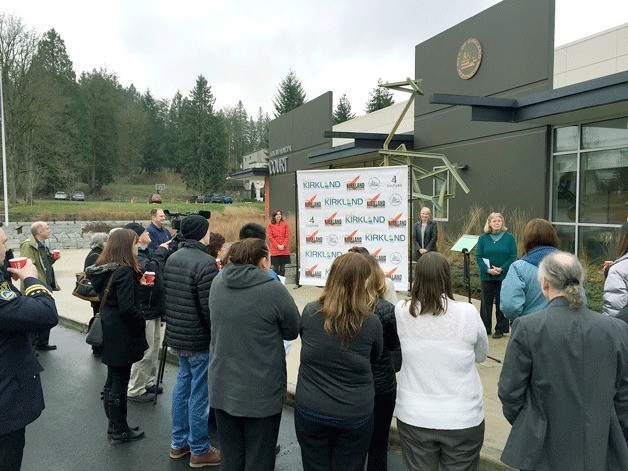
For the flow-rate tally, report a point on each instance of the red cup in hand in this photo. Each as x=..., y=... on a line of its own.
x=149, y=277
x=56, y=253
x=17, y=262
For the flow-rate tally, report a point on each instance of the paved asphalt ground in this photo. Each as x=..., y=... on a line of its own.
x=71, y=433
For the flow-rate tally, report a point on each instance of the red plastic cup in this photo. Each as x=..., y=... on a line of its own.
x=56, y=253
x=149, y=276
x=17, y=262
x=607, y=264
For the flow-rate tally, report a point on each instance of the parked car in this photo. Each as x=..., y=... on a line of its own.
x=156, y=199
x=60, y=195
x=78, y=196
x=214, y=198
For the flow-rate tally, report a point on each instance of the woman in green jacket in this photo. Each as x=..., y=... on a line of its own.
x=495, y=251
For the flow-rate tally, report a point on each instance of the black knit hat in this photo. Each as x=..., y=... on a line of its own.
x=194, y=227
x=135, y=227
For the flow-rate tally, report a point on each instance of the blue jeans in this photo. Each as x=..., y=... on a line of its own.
x=190, y=404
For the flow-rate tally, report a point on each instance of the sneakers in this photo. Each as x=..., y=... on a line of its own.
x=151, y=389
x=498, y=335
x=211, y=458
x=181, y=452
x=144, y=397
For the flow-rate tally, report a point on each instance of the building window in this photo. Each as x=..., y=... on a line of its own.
x=589, y=195
x=440, y=188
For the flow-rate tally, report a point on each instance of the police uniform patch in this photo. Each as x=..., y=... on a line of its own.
x=6, y=293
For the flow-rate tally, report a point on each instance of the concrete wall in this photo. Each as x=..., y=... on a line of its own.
x=64, y=234
x=601, y=54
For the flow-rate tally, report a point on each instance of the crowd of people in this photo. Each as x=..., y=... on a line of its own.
x=364, y=354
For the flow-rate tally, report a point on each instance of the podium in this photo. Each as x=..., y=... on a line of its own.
x=465, y=244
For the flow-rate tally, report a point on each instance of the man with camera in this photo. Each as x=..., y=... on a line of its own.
x=188, y=276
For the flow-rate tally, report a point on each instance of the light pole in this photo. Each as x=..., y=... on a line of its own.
x=4, y=156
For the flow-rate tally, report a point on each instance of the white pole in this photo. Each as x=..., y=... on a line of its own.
x=4, y=157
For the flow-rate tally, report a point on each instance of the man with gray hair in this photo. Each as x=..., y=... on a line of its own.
x=566, y=366
x=38, y=251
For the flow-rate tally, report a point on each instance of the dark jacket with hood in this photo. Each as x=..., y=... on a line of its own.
x=383, y=369
x=188, y=275
x=124, y=340
x=251, y=315
x=152, y=297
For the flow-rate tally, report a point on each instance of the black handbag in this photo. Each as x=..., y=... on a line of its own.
x=94, y=334
x=84, y=289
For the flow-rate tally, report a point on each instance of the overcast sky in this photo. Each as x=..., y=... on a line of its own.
x=245, y=47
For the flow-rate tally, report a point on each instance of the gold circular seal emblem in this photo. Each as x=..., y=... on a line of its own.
x=469, y=58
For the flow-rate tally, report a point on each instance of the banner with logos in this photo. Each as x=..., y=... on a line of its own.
x=341, y=208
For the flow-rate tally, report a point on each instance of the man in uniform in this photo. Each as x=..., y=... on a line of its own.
x=21, y=396
x=36, y=249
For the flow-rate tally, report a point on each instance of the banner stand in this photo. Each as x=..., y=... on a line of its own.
x=296, y=233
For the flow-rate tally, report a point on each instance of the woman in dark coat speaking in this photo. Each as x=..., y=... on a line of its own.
x=123, y=325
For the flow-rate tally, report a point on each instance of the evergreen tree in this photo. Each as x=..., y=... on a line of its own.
x=101, y=97
x=56, y=154
x=154, y=151
x=203, y=144
x=290, y=94
x=343, y=111
x=380, y=98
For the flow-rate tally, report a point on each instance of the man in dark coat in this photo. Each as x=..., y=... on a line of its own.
x=564, y=383
x=21, y=396
x=188, y=276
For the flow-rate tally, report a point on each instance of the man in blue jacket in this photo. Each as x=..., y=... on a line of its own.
x=21, y=395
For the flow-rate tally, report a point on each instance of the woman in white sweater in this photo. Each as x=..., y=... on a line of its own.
x=440, y=407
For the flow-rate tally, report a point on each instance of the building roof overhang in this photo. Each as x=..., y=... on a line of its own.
x=249, y=173
x=353, y=152
x=585, y=101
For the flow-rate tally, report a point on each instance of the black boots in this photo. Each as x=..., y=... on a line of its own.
x=118, y=430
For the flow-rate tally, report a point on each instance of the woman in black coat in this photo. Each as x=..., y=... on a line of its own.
x=425, y=234
x=96, y=244
x=123, y=325
x=383, y=369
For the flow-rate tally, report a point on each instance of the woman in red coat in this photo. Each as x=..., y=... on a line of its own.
x=279, y=236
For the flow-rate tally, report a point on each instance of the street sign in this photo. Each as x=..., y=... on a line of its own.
x=160, y=186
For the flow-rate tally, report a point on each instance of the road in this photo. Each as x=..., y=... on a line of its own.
x=71, y=432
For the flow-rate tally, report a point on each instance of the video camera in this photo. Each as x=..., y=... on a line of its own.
x=176, y=218
x=175, y=223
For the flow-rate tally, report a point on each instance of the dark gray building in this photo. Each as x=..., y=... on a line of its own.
x=490, y=107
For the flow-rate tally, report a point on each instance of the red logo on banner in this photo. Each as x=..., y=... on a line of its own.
x=313, y=239
x=352, y=239
x=355, y=185
x=378, y=257
x=391, y=274
x=331, y=221
x=396, y=221
x=312, y=272
x=312, y=204
x=375, y=202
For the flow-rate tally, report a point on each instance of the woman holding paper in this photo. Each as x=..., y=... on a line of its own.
x=495, y=251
